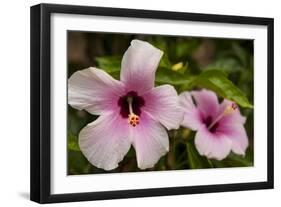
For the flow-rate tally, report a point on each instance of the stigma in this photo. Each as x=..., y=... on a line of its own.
x=133, y=119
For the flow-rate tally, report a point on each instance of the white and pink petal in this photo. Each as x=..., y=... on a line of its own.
x=105, y=141
x=138, y=66
x=94, y=90
x=162, y=103
x=237, y=134
x=193, y=117
x=150, y=140
x=213, y=146
x=206, y=101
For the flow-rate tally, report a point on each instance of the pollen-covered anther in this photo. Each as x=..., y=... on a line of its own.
x=133, y=119
x=230, y=108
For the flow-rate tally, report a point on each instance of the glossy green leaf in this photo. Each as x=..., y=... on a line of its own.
x=217, y=81
x=166, y=76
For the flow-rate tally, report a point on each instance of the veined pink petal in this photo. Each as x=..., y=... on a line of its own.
x=237, y=134
x=150, y=141
x=192, y=116
x=94, y=90
x=162, y=103
x=206, y=101
x=105, y=141
x=139, y=64
x=214, y=146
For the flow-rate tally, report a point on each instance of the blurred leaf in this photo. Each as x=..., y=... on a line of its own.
x=196, y=161
x=161, y=164
x=240, y=53
x=179, y=150
x=165, y=62
x=239, y=160
x=131, y=153
x=166, y=76
x=217, y=81
x=225, y=64
x=77, y=163
x=73, y=143
x=110, y=64
x=185, y=47
x=159, y=42
x=233, y=160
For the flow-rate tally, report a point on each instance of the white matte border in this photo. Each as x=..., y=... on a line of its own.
x=61, y=183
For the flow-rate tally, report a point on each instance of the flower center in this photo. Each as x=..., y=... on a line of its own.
x=208, y=122
x=213, y=125
x=130, y=107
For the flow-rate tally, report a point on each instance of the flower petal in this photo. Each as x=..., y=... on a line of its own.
x=105, y=141
x=206, y=101
x=192, y=116
x=94, y=90
x=214, y=146
x=150, y=141
x=240, y=140
x=162, y=103
x=139, y=64
x=237, y=134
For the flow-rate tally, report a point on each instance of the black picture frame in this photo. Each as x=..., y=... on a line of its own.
x=41, y=99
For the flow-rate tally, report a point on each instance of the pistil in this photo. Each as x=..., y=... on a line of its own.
x=227, y=111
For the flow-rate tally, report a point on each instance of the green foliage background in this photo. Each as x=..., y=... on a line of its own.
x=222, y=65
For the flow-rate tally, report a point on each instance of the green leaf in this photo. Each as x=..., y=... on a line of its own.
x=110, y=64
x=216, y=81
x=240, y=53
x=196, y=161
x=166, y=76
x=165, y=62
x=72, y=143
x=233, y=160
x=225, y=64
x=185, y=47
x=239, y=160
x=77, y=163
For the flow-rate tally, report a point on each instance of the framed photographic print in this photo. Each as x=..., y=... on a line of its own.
x=132, y=103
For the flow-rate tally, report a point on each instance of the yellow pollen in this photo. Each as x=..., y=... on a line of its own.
x=133, y=119
x=230, y=108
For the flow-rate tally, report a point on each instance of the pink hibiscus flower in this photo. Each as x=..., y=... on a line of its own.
x=219, y=126
x=132, y=110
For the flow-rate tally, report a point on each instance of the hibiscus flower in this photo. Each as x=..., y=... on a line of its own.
x=219, y=126
x=131, y=111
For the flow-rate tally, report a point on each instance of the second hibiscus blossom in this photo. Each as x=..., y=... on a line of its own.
x=220, y=126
